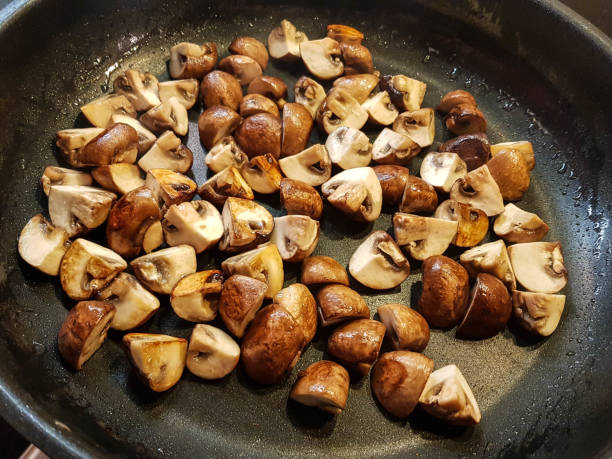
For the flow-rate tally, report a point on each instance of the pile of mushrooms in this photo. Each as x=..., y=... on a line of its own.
x=258, y=142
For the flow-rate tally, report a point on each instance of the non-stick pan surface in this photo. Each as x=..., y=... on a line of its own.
x=538, y=73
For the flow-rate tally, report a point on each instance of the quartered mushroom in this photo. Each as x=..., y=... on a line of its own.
x=119, y=177
x=491, y=258
x=393, y=180
x=195, y=297
x=523, y=146
x=71, y=141
x=271, y=87
x=323, y=385
x=309, y=93
x=243, y=68
x=246, y=224
x=251, y=47
x=472, y=223
x=340, y=109
x=517, y=225
x=311, y=166
x=169, y=115
x=442, y=170
x=220, y=88
x=322, y=58
x=87, y=268
x=185, y=91
x=349, y=148
x=356, y=344
x=299, y=198
x=511, y=173
x=539, y=266
x=295, y=236
x=379, y=263
x=141, y=89
x=263, y=174
x=241, y=298
x=146, y=138
x=380, y=109
x=161, y=270
x=190, y=60
x=474, y=149
x=252, y=104
x=407, y=329
x=406, y=93
x=100, y=111
x=284, y=42
x=300, y=303
x=224, y=154
x=355, y=192
x=215, y=124
x=263, y=263
x=391, y=147
x=465, y=119
x=297, y=126
x=260, y=134
x=195, y=223
x=338, y=303
x=456, y=97
x=357, y=58
x=419, y=125
x=170, y=187
x=42, y=245
x=359, y=86
x=322, y=270
x=168, y=152
x=418, y=196
x=212, y=353
x=479, y=189
x=54, y=175
x=423, y=237
x=227, y=183
x=538, y=313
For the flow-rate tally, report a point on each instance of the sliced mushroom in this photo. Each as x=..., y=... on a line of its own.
x=524, y=146
x=517, y=225
x=83, y=331
x=419, y=125
x=447, y=396
x=406, y=93
x=54, y=175
x=359, y=86
x=225, y=184
x=356, y=192
x=340, y=109
x=42, y=245
x=309, y=93
x=71, y=141
x=159, y=359
x=423, y=237
x=349, y=148
x=450, y=99
x=511, y=173
x=378, y=263
x=224, y=154
x=271, y=87
x=300, y=303
x=380, y=109
x=322, y=270
x=87, y=268
x=160, y=271
x=100, y=111
x=116, y=144
x=170, y=187
x=246, y=224
x=284, y=42
x=212, y=353
x=195, y=223
x=169, y=115
x=196, y=296
x=153, y=237
x=168, y=152
x=243, y=68
x=263, y=174
x=295, y=236
x=338, y=303
x=356, y=344
x=474, y=149
x=539, y=266
x=491, y=258
x=260, y=134
x=119, y=177
x=311, y=166
x=465, y=119
x=146, y=138
x=478, y=188
x=398, y=379
x=323, y=385
x=263, y=263
x=391, y=147
x=442, y=170
x=251, y=47
x=241, y=298
x=141, y=89
x=322, y=58
x=215, y=124
x=220, y=88
x=185, y=91
x=538, y=313
x=189, y=60
x=357, y=59
x=252, y=104
x=393, y=179
x=299, y=198
x=472, y=223
x=78, y=209
x=418, y=197
x=297, y=126
x=407, y=328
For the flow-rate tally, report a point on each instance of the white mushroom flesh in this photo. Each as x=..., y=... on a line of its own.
x=442, y=170
x=491, y=258
x=539, y=266
x=284, y=42
x=160, y=271
x=342, y=109
x=263, y=263
x=42, y=245
x=170, y=114
x=423, y=236
x=212, y=353
x=168, y=152
x=419, y=125
x=539, y=313
x=349, y=148
x=54, y=175
x=358, y=190
x=311, y=166
x=224, y=154
x=186, y=91
x=99, y=112
x=295, y=236
x=322, y=58
x=195, y=223
x=479, y=189
x=390, y=147
x=517, y=225
x=141, y=89
x=380, y=109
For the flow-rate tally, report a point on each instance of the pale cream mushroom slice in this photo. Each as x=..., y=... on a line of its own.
x=360, y=86
x=78, y=209
x=262, y=173
x=406, y=93
x=419, y=125
x=349, y=148
x=119, y=177
x=245, y=225
x=340, y=109
x=212, y=353
x=391, y=147
x=186, y=91
x=195, y=223
x=311, y=166
x=170, y=114
x=322, y=58
x=284, y=42
x=295, y=236
x=538, y=313
x=423, y=237
x=355, y=192
x=70, y=141
x=309, y=93
x=491, y=258
x=153, y=237
x=88, y=267
x=380, y=109
x=54, y=175
x=42, y=245
x=442, y=170
x=100, y=111
x=379, y=263
x=170, y=187
x=447, y=396
x=472, y=223
x=160, y=271
x=141, y=89
x=478, y=188
x=196, y=296
x=146, y=138
x=224, y=154
x=517, y=225
x=227, y=183
x=539, y=266
x=524, y=146
x=168, y=152
x=133, y=303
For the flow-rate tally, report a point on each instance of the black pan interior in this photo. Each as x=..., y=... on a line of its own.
x=537, y=72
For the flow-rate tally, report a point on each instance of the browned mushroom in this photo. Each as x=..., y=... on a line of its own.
x=146, y=138
x=356, y=344
x=340, y=109
x=246, y=225
x=252, y=104
x=450, y=99
x=324, y=385
x=42, y=245
x=260, y=134
x=100, y=111
x=196, y=296
x=118, y=177
x=322, y=58
x=225, y=153
x=407, y=328
x=355, y=192
x=272, y=87
x=295, y=236
x=243, y=68
x=263, y=263
x=189, y=60
x=168, y=152
x=300, y=303
x=517, y=225
x=511, y=173
x=391, y=147
x=220, y=88
x=465, y=119
x=54, y=175
x=523, y=146
x=117, y=144
x=418, y=125
x=141, y=89
x=284, y=42
x=393, y=179
x=311, y=166
x=357, y=59
x=186, y=91
x=297, y=126
x=241, y=298
x=359, y=86
x=299, y=198
x=474, y=149
x=491, y=258
x=215, y=123
x=251, y=47
x=344, y=34
x=196, y=223
x=161, y=270
x=338, y=303
x=322, y=270
x=263, y=174
x=170, y=187
x=226, y=183
x=539, y=266
x=309, y=93
x=472, y=223
x=418, y=197
x=406, y=93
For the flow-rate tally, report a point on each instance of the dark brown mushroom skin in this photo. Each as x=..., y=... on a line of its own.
x=511, y=172
x=321, y=270
x=259, y=134
x=418, y=197
x=197, y=67
x=446, y=291
x=269, y=86
x=220, y=88
x=240, y=297
x=356, y=344
x=474, y=149
x=450, y=99
x=251, y=47
x=215, y=123
x=243, y=68
x=489, y=310
x=299, y=198
x=338, y=303
x=357, y=59
x=393, y=179
x=297, y=126
x=465, y=119
x=324, y=378
x=396, y=96
x=110, y=146
x=252, y=104
x=413, y=328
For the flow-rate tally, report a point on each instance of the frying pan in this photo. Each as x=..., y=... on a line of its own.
x=538, y=71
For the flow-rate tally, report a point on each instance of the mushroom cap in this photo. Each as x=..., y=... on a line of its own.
x=246, y=224
x=479, y=189
x=357, y=343
x=472, y=223
x=423, y=237
x=296, y=128
x=523, y=146
x=300, y=303
x=227, y=183
x=146, y=138
x=349, y=148
x=216, y=123
x=272, y=87
x=263, y=174
x=195, y=297
x=418, y=197
x=456, y=97
x=190, y=60
x=186, y=91
x=141, y=89
x=406, y=93
x=419, y=126
x=295, y=236
x=321, y=270
x=357, y=192
x=357, y=58
x=241, y=298
x=338, y=303
x=491, y=258
x=406, y=328
x=309, y=93
x=393, y=179
x=284, y=42
x=344, y=34
x=54, y=175
x=340, y=109
x=311, y=166
x=391, y=147
x=253, y=104
x=322, y=58
x=196, y=223
x=299, y=198
x=511, y=173
x=251, y=47
x=360, y=86
x=212, y=353
x=100, y=111
x=225, y=153
x=380, y=109
x=538, y=313
x=260, y=134
x=170, y=187
x=474, y=149
x=117, y=144
x=119, y=177
x=517, y=225
x=168, y=152
x=539, y=266
x=465, y=119
x=42, y=245
x=220, y=88
x=323, y=384
x=441, y=170
x=160, y=271
x=244, y=68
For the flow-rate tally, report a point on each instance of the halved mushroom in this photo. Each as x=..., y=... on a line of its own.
x=241, y=298
x=323, y=385
x=215, y=124
x=407, y=328
x=378, y=263
x=169, y=115
x=359, y=86
x=539, y=266
x=220, y=88
x=189, y=60
x=322, y=270
x=87, y=268
x=78, y=209
x=246, y=224
x=260, y=134
x=225, y=184
x=442, y=170
x=42, y=245
x=474, y=149
x=423, y=237
x=491, y=258
x=161, y=270
x=195, y=223
x=452, y=98
x=511, y=173
x=263, y=174
x=84, y=330
x=398, y=379
x=284, y=42
x=340, y=109
x=338, y=303
x=100, y=111
x=309, y=93
x=224, y=154
x=465, y=119
x=243, y=68
x=196, y=296
x=299, y=198
x=356, y=344
x=170, y=187
x=380, y=109
x=524, y=146
x=185, y=91
x=447, y=396
x=168, y=152
x=357, y=59
x=54, y=175
x=130, y=219
x=322, y=58
x=418, y=197
x=119, y=177
x=406, y=93
x=479, y=189
x=349, y=148
x=71, y=141
x=146, y=138
x=446, y=289
x=134, y=304
x=393, y=179
x=141, y=89
x=311, y=166
x=252, y=104
x=391, y=147
x=472, y=223
x=263, y=263
x=212, y=353
x=116, y=144
x=538, y=312
x=271, y=87
x=355, y=192
x=297, y=126
x=159, y=359
x=517, y=225
x=295, y=236
x=300, y=303
x=251, y=47
x=419, y=125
